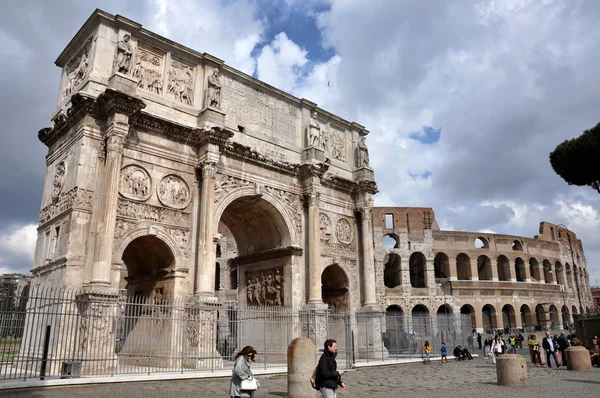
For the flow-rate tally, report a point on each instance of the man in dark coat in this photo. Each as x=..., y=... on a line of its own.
x=563, y=344
x=328, y=377
x=550, y=348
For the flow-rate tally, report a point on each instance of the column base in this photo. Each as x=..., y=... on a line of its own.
x=369, y=342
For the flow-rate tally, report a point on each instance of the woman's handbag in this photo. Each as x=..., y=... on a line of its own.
x=249, y=384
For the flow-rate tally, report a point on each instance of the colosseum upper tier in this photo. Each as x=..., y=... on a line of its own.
x=501, y=280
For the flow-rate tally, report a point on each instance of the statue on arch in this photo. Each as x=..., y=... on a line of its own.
x=314, y=131
x=214, y=90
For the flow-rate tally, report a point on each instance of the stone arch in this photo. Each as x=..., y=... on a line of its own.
x=393, y=338
x=574, y=310
x=566, y=317
x=463, y=267
x=274, y=208
x=517, y=245
x=488, y=314
x=509, y=319
x=527, y=319
x=468, y=309
x=484, y=268
x=482, y=243
x=534, y=270
x=420, y=319
x=520, y=272
x=569, y=275
x=444, y=309
x=417, y=270
x=503, y=265
x=559, y=270
x=547, y=267
x=390, y=241
x=554, y=319
x=441, y=266
x=335, y=287
x=392, y=270
x=540, y=315
x=217, y=276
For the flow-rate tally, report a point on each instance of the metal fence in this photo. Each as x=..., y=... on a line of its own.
x=49, y=333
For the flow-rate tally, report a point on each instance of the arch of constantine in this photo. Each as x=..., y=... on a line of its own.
x=173, y=176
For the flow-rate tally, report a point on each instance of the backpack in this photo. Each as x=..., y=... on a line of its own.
x=313, y=379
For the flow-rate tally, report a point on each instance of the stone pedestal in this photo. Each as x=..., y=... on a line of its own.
x=211, y=115
x=578, y=359
x=511, y=370
x=369, y=338
x=301, y=364
x=312, y=153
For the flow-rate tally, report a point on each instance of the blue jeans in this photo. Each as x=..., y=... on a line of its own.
x=513, y=349
x=328, y=392
x=553, y=353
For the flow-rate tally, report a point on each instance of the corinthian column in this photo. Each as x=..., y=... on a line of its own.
x=314, y=250
x=116, y=131
x=368, y=259
x=206, y=260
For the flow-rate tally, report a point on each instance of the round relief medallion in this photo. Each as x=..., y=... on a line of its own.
x=343, y=231
x=135, y=183
x=324, y=226
x=174, y=192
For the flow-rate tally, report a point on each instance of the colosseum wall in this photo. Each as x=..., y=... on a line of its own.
x=501, y=280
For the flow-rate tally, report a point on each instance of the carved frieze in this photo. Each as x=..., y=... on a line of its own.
x=122, y=227
x=180, y=86
x=149, y=70
x=135, y=183
x=325, y=226
x=59, y=179
x=338, y=250
x=77, y=69
x=344, y=231
x=75, y=198
x=293, y=206
x=226, y=183
x=142, y=211
x=182, y=238
x=174, y=192
x=335, y=144
x=265, y=287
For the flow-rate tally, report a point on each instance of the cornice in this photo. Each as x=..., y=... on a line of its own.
x=268, y=255
x=308, y=170
x=113, y=101
x=239, y=151
x=81, y=105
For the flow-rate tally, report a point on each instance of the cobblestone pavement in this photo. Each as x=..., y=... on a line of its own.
x=475, y=378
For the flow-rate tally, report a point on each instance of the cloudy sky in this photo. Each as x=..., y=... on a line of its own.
x=464, y=99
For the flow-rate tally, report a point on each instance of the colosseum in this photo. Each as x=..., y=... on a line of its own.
x=502, y=281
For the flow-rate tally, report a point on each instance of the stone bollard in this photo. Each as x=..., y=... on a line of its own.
x=302, y=360
x=511, y=370
x=578, y=359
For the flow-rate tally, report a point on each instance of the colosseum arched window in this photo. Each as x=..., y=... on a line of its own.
x=503, y=268
x=418, y=276
x=482, y=243
x=488, y=314
x=441, y=266
x=517, y=245
x=390, y=241
x=484, y=268
x=526, y=317
x=463, y=267
x=547, y=267
x=534, y=270
x=509, y=320
x=391, y=270
x=520, y=271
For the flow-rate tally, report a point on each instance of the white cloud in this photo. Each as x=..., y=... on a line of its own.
x=280, y=63
x=17, y=246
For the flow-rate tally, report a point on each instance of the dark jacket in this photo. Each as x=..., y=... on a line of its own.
x=546, y=345
x=563, y=343
x=327, y=375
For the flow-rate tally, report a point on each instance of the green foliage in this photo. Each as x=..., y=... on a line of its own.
x=577, y=160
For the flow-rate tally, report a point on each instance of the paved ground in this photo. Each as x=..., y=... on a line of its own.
x=474, y=378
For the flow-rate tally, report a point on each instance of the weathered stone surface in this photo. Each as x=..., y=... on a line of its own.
x=578, y=359
x=301, y=364
x=511, y=370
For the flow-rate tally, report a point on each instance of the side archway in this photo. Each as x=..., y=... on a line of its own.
x=335, y=287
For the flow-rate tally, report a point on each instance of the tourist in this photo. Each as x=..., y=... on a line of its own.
x=427, y=352
x=497, y=347
x=563, y=344
x=444, y=351
x=534, y=349
x=328, y=377
x=466, y=354
x=512, y=340
x=520, y=339
x=470, y=341
x=575, y=341
x=479, y=340
x=458, y=353
x=550, y=348
x=596, y=343
x=241, y=371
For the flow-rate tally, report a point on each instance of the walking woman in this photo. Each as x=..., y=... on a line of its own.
x=497, y=347
x=241, y=371
x=427, y=351
x=535, y=348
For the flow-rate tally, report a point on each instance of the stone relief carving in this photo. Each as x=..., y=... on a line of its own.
x=135, y=183
x=149, y=71
x=122, y=227
x=181, y=82
x=142, y=211
x=293, y=206
x=265, y=287
x=59, y=179
x=324, y=226
x=182, y=238
x=213, y=95
x=362, y=154
x=124, y=55
x=338, y=250
x=259, y=111
x=225, y=184
x=313, y=132
x=343, y=231
x=77, y=68
x=174, y=192
x=75, y=198
x=336, y=145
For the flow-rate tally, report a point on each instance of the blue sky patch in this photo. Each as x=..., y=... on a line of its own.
x=428, y=135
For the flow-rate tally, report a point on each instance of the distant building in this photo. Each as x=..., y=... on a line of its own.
x=11, y=283
x=596, y=296
x=13, y=298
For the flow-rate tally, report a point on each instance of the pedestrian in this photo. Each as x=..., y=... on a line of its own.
x=470, y=341
x=512, y=341
x=444, y=351
x=563, y=344
x=596, y=343
x=479, y=341
x=497, y=347
x=520, y=340
x=575, y=341
x=328, y=377
x=550, y=348
x=534, y=349
x=427, y=351
x=241, y=371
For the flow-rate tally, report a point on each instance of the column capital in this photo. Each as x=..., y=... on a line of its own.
x=207, y=169
x=314, y=197
x=115, y=142
x=366, y=212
